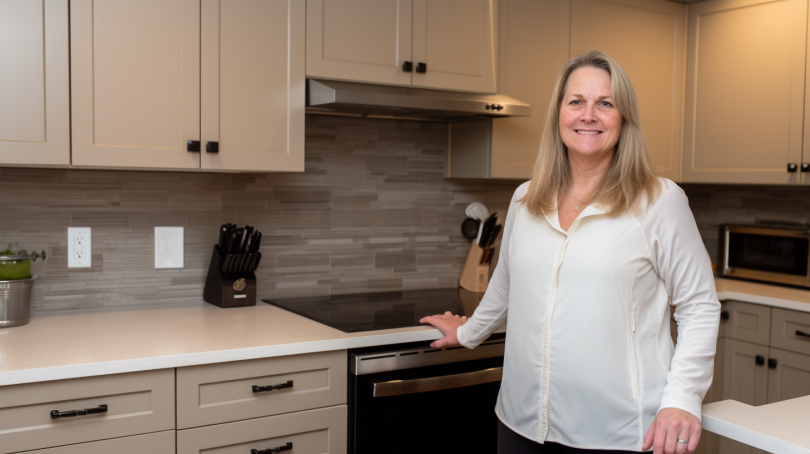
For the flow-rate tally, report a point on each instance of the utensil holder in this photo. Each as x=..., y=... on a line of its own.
x=474, y=276
x=228, y=289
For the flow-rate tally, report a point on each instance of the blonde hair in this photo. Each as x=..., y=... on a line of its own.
x=630, y=175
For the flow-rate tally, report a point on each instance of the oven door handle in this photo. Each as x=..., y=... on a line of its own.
x=422, y=385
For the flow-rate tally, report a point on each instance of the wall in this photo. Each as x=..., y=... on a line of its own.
x=372, y=212
x=716, y=204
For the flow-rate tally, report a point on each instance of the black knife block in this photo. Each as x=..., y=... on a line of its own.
x=228, y=289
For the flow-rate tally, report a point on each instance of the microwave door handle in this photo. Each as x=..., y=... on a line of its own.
x=421, y=385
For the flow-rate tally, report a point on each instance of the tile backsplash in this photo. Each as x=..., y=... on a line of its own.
x=372, y=212
x=716, y=204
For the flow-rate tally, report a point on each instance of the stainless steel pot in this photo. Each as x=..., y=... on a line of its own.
x=15, y=302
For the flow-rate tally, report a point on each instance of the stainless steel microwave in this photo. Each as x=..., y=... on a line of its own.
x=771, y=254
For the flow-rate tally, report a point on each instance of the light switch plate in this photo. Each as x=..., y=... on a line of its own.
x=80, y=254
x=168, y=247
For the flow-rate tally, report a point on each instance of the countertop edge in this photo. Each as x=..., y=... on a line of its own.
x=212, y=357
x=726, y=295
x=738, y=430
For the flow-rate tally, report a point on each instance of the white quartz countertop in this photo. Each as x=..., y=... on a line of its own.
x=781, y=427
x=72, y=345
x=769, y=295
x=55, y=347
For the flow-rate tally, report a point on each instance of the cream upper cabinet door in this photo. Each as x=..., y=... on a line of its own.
x=34, y=92
x=359, y=40
x=744, y=90
x=135, y=82
x=647, y=38
x=532, y=47
x=455, y=41
x=252, y=84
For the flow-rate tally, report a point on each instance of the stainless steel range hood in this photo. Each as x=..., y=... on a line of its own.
x=369, y=100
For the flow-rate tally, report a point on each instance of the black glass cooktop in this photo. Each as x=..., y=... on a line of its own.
x=373, y=311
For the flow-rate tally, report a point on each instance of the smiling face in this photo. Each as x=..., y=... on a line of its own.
x=590, y=124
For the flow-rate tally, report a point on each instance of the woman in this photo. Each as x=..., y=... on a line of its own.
x=596, y=250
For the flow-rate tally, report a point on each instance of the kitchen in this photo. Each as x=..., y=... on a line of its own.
x=372, y=210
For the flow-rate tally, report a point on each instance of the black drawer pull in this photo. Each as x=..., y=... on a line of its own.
x=87, y=411
x=724, y=315
x=802, y=333
x=286, y=447
x=193, y=145
x=407, y=66
x=259, y=389
x=421, y=67
x=760, y=360
x=772, y=363
x=212, y=147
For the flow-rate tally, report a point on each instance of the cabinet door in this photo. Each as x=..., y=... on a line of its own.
x=135, y=88
x=789, y=377
x=532, y=47
x=646, y=37
x=34, y=97
x=252, y=82
x=744, y=90
x=359, y=40
x=744, y=381
x=455, y=39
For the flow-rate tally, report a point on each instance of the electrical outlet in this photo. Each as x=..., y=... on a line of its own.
x=79, y=252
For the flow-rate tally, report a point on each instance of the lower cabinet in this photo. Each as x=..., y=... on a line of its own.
x=749, y=367
x=154, y=443
x=321, y=431
x=67, y=412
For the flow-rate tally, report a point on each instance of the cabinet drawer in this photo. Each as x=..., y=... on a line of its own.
x=217, y=393
x=790, y=330
x=137, y=403
x=747, y=322
x=321, y=431
x=155, y=443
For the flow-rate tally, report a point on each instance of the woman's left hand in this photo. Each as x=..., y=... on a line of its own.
x=670, y=425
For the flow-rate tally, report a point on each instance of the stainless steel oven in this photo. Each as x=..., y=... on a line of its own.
x=764, y=253
x=413, y=398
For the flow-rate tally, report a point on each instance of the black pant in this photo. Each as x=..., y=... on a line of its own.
x=510, y=442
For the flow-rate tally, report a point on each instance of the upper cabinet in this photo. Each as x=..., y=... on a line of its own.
x=151, y=79
x=745, y=94
x=532, y=48
x=646, y=37
x=34, y=93
x=444, y=44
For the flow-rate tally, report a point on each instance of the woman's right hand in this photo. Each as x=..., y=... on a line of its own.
x=448, y=324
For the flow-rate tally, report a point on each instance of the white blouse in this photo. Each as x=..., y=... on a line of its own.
x=589, y=358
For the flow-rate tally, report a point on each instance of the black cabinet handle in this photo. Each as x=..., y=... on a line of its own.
x=212, y=147
x=260, y=389
x=760, y=360
x=805, y=167
x=791, y=167
x=421, y=67
x=802, y=333
x=56, y=414
x=193, y=145
x=724, y=315
x=772, y=363
x=286, y=447
x=407, y=66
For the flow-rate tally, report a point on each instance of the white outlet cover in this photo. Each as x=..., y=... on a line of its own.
x=168, y=247
x=80, y=252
